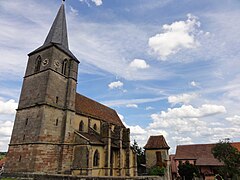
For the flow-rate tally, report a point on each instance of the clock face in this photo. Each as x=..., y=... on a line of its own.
x=56, y=63
x=45, y=62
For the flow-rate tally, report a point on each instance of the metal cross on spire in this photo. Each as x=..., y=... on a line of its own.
x=63, y=1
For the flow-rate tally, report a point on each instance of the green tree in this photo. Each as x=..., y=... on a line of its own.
x=187, y=171
x=2, y=155
x=230, y=156
x=140, y=153
x=157, y=171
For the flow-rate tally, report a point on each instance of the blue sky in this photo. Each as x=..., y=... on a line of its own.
x=166, y=66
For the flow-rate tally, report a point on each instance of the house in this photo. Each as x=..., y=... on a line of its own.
x=156, y=153
x=201, y=156
x=173, y=167
x=56, y=129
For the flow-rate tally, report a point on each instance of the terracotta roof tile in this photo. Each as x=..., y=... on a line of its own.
x=202, y=153
x=94, y=109
x=156, y=142
x=236, y=145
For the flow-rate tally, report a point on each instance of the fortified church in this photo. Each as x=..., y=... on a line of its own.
x=58, y=130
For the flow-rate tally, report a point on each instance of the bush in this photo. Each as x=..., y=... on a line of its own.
x=157, y=171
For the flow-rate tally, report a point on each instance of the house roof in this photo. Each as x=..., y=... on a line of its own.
x=201, y=153
x=89, y=107
x=156, y=142
x=236, y=145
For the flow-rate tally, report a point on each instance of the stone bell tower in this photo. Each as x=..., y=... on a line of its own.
x=41, y=131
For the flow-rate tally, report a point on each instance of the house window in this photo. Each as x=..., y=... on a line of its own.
x=38, y=64
x=96, y=158
x=95, y=127
x=20, y=158
x=56, y=122
x=24, y=137
x=81, y=125
x=64, y=67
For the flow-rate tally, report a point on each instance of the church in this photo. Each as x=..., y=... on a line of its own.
x=56, y=129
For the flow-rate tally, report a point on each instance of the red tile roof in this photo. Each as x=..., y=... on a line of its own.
x=156, y=142
x=202, y=153
x=89, y=107
x=236, y=145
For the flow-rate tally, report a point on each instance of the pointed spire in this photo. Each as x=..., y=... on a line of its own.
x=58, y=31
x=57, y=35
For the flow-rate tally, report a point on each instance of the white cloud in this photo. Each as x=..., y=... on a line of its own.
x=182, y=140
x=74, y=11
x=183, y=98
x=97, y=2
x=116, y=84
x=234, y=120
x=137, y=130
x=182, y=116
x=149, y=108
x=5, y=133
x=188, y=111
x=139, y=64
x=8, y=107
x=176, y=36
x=132, y=105
x=6, y=128
x=194, y=84
x=121, y=117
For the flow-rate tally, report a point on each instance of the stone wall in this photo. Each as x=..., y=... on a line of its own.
x=68, y=177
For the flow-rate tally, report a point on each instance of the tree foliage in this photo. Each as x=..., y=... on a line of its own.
x=157, y=171
x=229, y=155
x=140, y=153
x=187, y=171
x=2, y=155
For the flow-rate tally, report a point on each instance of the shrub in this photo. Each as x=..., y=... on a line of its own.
x=157, y=171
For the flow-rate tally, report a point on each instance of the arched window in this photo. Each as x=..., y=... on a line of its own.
x=81, y=125
x=38, y=64
x=64, y=67
x=96, y=158
x=95, y=127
